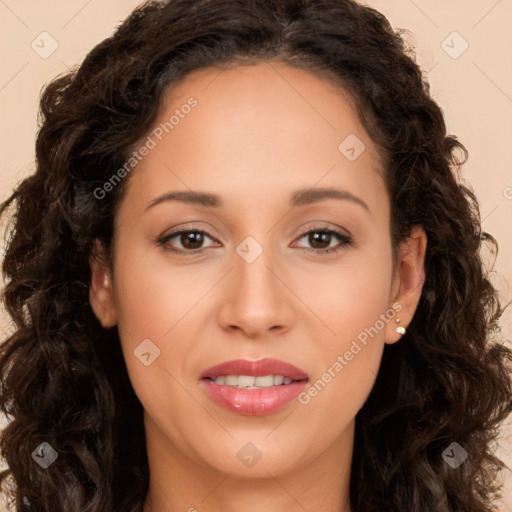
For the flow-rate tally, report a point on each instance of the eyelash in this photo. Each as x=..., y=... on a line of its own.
x=344, y=239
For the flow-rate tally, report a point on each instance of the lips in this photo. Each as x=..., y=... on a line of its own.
x=255, y=368
x=251, y=400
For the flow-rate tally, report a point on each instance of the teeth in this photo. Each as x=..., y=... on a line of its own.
x=231, y=380
x=251, y=382
x=278, y=380
x=245, y=381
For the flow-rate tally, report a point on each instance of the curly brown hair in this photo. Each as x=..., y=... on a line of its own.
x=63, y=377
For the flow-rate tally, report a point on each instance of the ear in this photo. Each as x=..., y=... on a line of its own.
x=408, y=280
x=100, y=288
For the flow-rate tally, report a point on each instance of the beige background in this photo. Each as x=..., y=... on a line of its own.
x=474, y=88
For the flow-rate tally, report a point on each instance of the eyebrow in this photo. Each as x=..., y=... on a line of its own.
x=298, y=198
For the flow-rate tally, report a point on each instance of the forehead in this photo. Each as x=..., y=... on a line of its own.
x=257, y=128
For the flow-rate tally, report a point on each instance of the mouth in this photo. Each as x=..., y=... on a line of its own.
x=253, y=387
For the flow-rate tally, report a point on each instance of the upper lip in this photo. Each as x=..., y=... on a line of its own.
x=259, y=368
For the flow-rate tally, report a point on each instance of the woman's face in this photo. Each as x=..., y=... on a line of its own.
x=258, y=283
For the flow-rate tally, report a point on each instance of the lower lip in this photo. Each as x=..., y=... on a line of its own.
x=253, y=402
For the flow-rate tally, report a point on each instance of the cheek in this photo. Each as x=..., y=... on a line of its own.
x=349, y=296
x=152, y=295
x=152, y=303
x=351, y=302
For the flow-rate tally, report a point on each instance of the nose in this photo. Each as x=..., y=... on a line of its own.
x=256, y=299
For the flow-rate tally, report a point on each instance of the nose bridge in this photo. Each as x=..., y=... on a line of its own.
x=256, y=301
x=252, y=262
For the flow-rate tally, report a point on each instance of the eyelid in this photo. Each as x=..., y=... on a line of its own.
x=345, y=239
x=325, y=227
x=163, y=239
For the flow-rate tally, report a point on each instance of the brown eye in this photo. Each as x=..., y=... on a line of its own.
x=192, y=239
x=186, y=240
x=319, y=239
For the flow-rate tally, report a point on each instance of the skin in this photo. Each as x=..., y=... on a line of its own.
x=257, y=134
